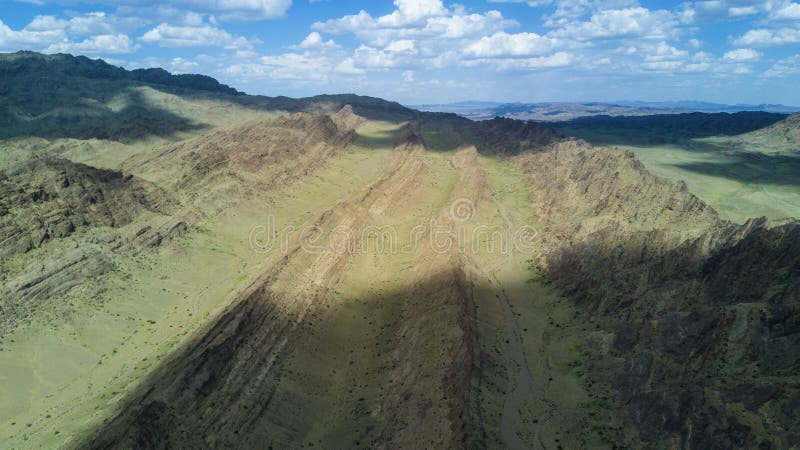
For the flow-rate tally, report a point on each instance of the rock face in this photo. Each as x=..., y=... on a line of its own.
x=510, y=137
x=227, y=387
x=701, y=315
x=53, y=198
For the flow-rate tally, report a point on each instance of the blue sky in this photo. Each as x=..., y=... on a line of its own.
x=430, y=51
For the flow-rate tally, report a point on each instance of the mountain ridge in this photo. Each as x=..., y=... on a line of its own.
x=268, y=271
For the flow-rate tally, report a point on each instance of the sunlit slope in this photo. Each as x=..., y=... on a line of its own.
x=784, y=135
x=744, y=164
x=111, y=300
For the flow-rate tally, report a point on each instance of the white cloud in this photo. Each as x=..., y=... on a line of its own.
x=372, y=58
x=663, y=52
x=697, y=67
x=504, y=44
x=47, y=23
x=763, y=37
x=102, y=23
x=28, y=39
x=531, y=3
x=621, y=23
x=297, y=66
x=101, y=44
x=412, y=11
x=742, y=11
x=742, y=54
x=742, y=70
x=560, y=59
x=446, y=24
x=662, y=65
x=571, y=10
x=347, y=66
x=784, y=68
x=180, y=65
x=718, y=10
x=167, y=35
x=401, y=46
x=315, y=40
x=790, y=11
x=233, y=10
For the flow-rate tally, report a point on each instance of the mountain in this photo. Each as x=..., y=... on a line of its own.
x=564, y=111
x=781, y=135
x=342, y=271
x=714, y=107
x=665, y=128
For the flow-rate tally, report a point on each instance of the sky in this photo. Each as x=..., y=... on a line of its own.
x=437, y=51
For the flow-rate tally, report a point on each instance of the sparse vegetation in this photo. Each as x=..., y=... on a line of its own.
x=634, y=314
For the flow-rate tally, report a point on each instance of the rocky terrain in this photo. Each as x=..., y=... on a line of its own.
x=331, y=272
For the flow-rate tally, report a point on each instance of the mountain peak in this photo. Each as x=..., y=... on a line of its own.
x=61, y=64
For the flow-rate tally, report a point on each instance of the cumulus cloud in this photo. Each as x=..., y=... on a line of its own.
x=347, y=66
x=559, y=59
x=101, y=44
x=717, y=10
x=504, y=44
x=401, y=46
x=180, y=65
x=239, y=9
x=790, y=11
x=621, y=23
x=316, y=62
x=531, y=3
x=233, y=10
x=315, y=40
x=167, y=35
x=428, y=23
x=412, y=11
x=30, y=39
x=742, y=54
x=784, y=68
x=764, y=37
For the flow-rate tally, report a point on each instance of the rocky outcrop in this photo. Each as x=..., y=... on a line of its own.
x=701, y=314
x=228, y=386
x=53, y=198
x=258, y=154
x=511, y=137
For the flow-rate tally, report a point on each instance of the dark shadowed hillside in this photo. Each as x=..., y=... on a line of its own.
x=664, y=128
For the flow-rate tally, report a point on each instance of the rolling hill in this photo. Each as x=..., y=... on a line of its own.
x=196, y=267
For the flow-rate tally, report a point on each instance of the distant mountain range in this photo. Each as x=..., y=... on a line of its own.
x=560, y=111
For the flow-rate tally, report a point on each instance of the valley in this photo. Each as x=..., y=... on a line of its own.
x=344, y=272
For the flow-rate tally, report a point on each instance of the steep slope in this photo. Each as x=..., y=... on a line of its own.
x=686, y=306
x=52, y=198
x=235, y=163
x=781, y=134
x=235, y=375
